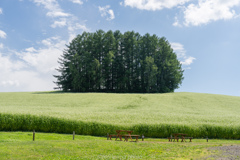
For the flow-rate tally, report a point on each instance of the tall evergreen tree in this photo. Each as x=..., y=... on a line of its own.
x=150, y=75
x=108, y=55
x=116, y=62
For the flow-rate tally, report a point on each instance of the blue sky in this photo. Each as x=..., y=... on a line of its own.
x=203, y=33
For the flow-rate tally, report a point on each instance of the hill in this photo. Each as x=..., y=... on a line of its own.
x=155, y=115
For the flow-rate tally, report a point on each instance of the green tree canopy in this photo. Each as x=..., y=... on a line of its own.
x=116, y=62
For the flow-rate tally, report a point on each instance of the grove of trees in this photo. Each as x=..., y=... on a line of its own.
x=115, y=62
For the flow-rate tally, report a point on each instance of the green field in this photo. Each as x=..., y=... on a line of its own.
x=154, y=115
x=19, y=145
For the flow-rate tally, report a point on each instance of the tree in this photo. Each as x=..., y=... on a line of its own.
x=116, y=62
x=150, y=75
x=108, y=55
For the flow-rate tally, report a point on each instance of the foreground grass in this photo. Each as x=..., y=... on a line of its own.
x=19, y=145
x=155, y=115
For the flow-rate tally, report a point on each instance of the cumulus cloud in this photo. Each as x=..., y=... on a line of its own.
x=60, y=23
x=1, y=46
x=48, y=4
x=153, y=4
x=44, y=60
x=106, y=12
x=188, y=61
x=209, y=10
x=31, y=49
x=1, y=11
x=9, y=83
x=77, y=1
x=57, y=14
x=181, y=54
x=8, y=67
x=2, y=34
x=78, y=26
x=24, y=80
x=193, y=13
x=31, y=69
x=176, y=23
x=54, y=10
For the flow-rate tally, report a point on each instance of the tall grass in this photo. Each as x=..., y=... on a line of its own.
x=11, y=122
x=154, y=115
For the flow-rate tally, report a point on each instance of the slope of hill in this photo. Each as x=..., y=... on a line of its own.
x=155, y=115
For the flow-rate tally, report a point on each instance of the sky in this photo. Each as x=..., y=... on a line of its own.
x=205, y=35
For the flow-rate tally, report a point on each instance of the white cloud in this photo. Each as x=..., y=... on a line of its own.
x=54, y=11
x=188, y=61
x=50, y=41
x=31, y=69
x=153, y=4
x=7, y=71
x=24, y=80
x=57, y=14
x=176, y=23
x=181, y=54
x=80, y=26
x=209, y=10
x=60, y=23
x=31, y=49
x=53, y=7
x=194, y=13
x=44, y=60
x=1, y=11
x=2, y=34
x=8, y=65
x=48, y=4
x=106, y=12
x=111, y=14
x=75, y=27
x=77, y=1
x=46, y=42
x=9, y=83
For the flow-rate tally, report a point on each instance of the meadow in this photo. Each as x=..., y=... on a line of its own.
x=154, y=115
x=19, y=145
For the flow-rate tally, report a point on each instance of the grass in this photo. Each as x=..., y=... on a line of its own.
x=155, y=115
x=19, y=145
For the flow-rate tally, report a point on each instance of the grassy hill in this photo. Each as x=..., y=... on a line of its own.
x=154, y=115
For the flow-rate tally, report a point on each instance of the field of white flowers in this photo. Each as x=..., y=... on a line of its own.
x=156, y=115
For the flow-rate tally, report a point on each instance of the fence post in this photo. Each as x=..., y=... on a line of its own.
x=207, y=138
x=142, y=137
x=171, y=138
x=107, y=136
x=73, y=134
x=33, y=135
